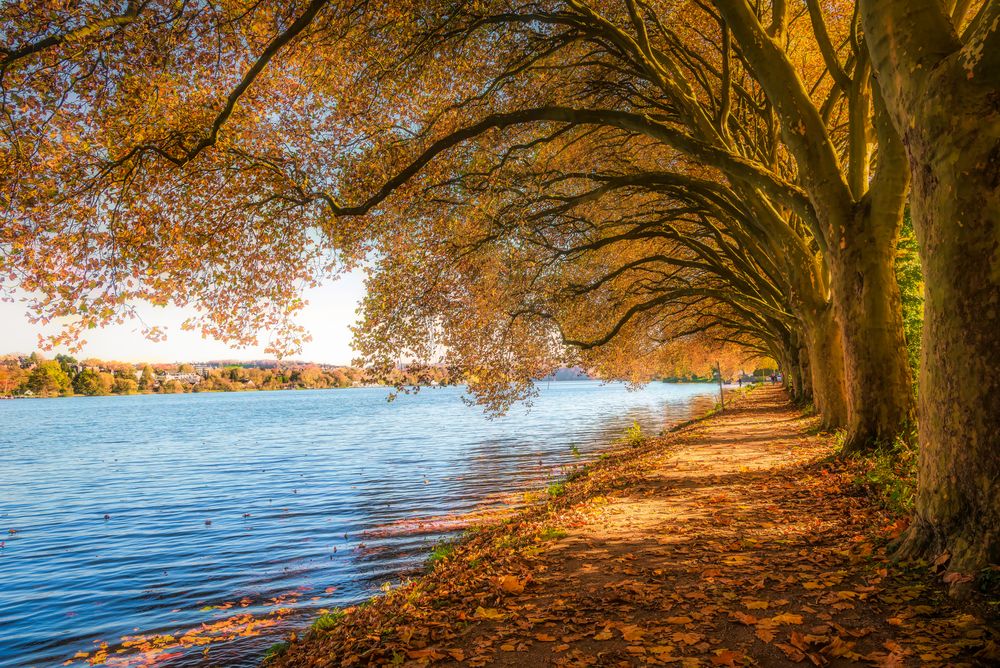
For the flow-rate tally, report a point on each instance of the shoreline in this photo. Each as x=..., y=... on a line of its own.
x=442, y=560
x=735, y=538
x=552, y=437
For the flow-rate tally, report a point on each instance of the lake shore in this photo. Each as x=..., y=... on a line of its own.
x=736, y=539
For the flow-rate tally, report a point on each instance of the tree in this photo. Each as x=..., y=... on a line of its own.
x=125, y=386
x=172, y=387
x=49, y=380
x=11, y=377
x=939, y=74
x=67, y=363
x=711, y=108
x=88, y=383
x=738, y=176
x=146, y=381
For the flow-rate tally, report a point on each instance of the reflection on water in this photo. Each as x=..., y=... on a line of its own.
x=238, y=516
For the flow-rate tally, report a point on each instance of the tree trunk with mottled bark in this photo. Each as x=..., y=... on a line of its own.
x=826, y=364
x=943, y=93
x=880, y=404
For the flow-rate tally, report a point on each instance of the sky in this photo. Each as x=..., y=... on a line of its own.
x=330, y=313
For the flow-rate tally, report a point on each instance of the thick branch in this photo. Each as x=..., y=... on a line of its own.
x=10, y=56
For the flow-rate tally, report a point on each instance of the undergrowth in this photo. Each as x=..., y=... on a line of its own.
x=890, y=474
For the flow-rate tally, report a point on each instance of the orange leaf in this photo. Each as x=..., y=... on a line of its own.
x=725, y=657
x=511, y=584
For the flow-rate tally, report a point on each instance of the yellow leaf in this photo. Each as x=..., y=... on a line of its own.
x=488, y=613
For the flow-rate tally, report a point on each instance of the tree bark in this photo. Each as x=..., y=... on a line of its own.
x=826, y=364
x=805, y=375
x=790, y=369
x=943, y=94
x=880, y=402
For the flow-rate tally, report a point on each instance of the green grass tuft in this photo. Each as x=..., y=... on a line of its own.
x=556, y=489
x=328, y=621
x=633, y=435
x=552, y=534
x=274, y=651
x=440, y=553
x=891, y=474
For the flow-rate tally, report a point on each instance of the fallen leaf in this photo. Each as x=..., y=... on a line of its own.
x=488, y=613
x=725, y=657
x=511, y=584
x=787, y=618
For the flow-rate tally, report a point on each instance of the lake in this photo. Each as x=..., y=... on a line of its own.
x=136, y=527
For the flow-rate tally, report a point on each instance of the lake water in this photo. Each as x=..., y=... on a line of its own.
x=234, y=518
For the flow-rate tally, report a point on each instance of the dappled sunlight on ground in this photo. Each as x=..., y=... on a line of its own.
x=737, y=541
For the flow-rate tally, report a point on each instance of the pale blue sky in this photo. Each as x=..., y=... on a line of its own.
x=330, y=313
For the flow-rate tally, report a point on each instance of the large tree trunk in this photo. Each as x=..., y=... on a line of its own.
x=805, y=373
x=790, y=371
x=880, y=402
x=956, y=213
x=826, y=363
x=943, y=93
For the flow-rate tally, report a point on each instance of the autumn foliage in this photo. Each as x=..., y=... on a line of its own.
x=617, y=184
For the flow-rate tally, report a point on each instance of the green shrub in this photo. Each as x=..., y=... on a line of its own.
x=633, y=435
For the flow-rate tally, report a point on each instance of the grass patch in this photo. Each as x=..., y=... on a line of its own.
x=440, y=553
x=556, y=489
x=327, y=621
x=274, y=651
x=552, y=534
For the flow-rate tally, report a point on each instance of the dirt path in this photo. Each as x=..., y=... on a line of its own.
x=742, y=543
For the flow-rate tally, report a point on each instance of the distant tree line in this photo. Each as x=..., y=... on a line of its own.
x=33, y=375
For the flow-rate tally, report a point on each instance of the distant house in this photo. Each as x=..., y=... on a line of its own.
x=192, y=378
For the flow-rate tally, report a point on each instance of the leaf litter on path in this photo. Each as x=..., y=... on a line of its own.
x=735, y=541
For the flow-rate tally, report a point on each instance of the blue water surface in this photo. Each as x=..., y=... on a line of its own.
x=225, y=506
